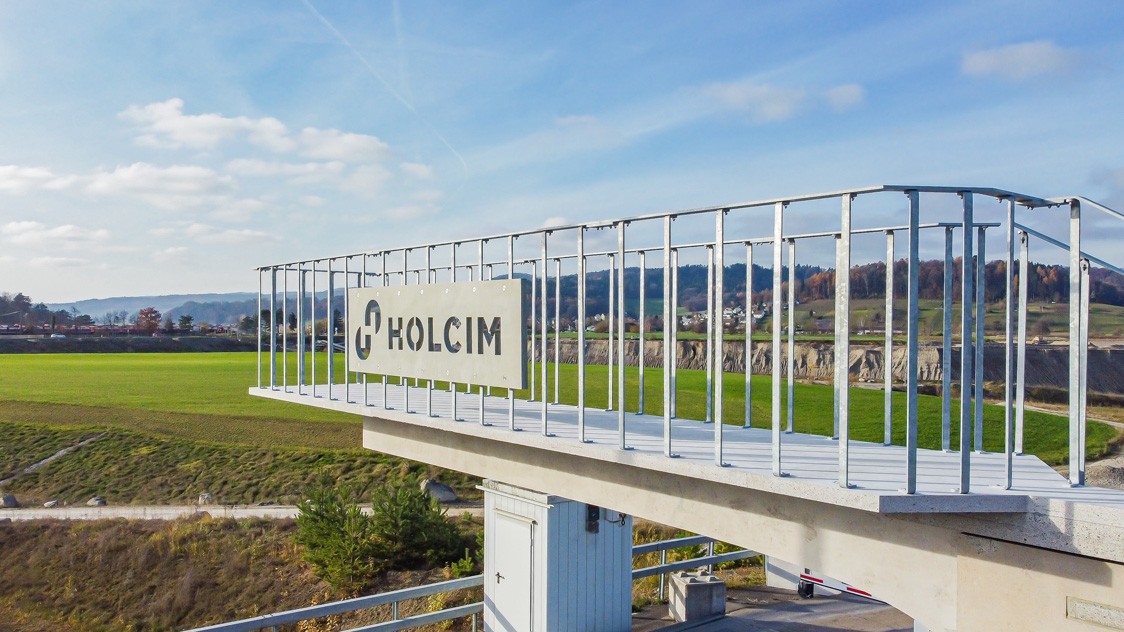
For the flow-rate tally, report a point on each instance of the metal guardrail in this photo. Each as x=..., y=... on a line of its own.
x=545, y=254
x=468, y=610
x=360, y=603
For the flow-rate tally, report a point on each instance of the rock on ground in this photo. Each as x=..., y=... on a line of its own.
x=440, y=492
x=9, y=502
x=96, y=501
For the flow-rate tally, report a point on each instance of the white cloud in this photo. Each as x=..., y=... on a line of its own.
x=554, y=222
x=411, y=211
x=1020, y=61
x=332, y=144
x=172, y=252
x=56, y=262
x=207, y=234
x=417, y=170
x=164, y=187
x=312, y=201
x=297, y=173
x=845, y=97
x=29, y=233
x=238, y=210
x=366, y=180
x=165, y=125
x=764, y=102
x=17, y=179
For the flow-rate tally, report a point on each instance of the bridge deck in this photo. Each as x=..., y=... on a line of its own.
x=810, y=462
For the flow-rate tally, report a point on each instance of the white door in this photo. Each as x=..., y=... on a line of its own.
x=511, y=579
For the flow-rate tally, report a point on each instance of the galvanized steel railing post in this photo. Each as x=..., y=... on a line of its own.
x=612, y=308
x=668, y=315
x=543, y=341
x=843, y=340
x=1076, y=421
x=981, y=282
x=312, y=317
x=674, y=333
x=791, y=334
x=511, y=275
x=621, y=329
x=642, y=314
x=385, y=283
x=285, y=329
x=329, y=329
x=346, y=328
x=363, y=377
x=581, y=334
x=258, y=321
x=748, y=335
x=453, y=279
x=966, y=346
x=1083, y=372
x=557, y=328
x=301, y=340
x=719, y=328
x=709, y=346
x=946, y=346
x=778, y=230
x=888, y=351
x=534, y=326
x=480, y=387
x=273, y=329
x=914, y=310
x=429, y=280
x=1008, y=348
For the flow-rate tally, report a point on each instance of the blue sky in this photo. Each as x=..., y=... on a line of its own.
x=156, y=148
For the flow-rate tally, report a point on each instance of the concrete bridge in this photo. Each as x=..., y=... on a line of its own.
x=955, y=537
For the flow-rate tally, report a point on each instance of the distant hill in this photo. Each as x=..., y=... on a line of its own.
x=97, y=307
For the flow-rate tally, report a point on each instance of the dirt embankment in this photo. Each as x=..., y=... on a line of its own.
x=1045, y=365
x=125, y=344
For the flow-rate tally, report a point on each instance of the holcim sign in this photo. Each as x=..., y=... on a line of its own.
x=466, y=332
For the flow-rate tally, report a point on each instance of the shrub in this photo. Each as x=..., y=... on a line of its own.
x=338, y=539
x=412, y=528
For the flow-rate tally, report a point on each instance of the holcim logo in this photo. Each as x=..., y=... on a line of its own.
x=465, y=333
x=427, y=334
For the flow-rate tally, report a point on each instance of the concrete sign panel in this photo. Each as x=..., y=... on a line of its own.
x=469, y=333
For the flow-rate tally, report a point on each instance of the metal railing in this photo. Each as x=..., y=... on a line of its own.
x=472, y=610
x=392, y=599
x=580, y=250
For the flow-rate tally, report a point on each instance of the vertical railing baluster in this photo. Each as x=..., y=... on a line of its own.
x=581, y=333
x=363, y=377
x=428, y=281
x=888, y=350
x=285, y=329
x=913, y=310
x=981, y=305
x=534, y=327
x=748, y=335
x=612, y=296
x=674, y=333
x=301, y=339
x=385, y=282
x=1008, y=348
x=642, y=314
x=330, y=329
x=545, y=334
x=346, y=328
x=453, y=279
x=719, y=329
x=480, y=277
x=273, y=328
x=1076, y=421
x=946, y=346
x=966, y=352
x=557, y=329
x=257, y=320
x=778, y=229
x=1020, y=360
x=622, y=327
x=791, y=403
x=511, y=275
x=709, y=346
x=843, y=340
x=402, y=379
x=312, y=317
x=668, y=315
x=1083, y=362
